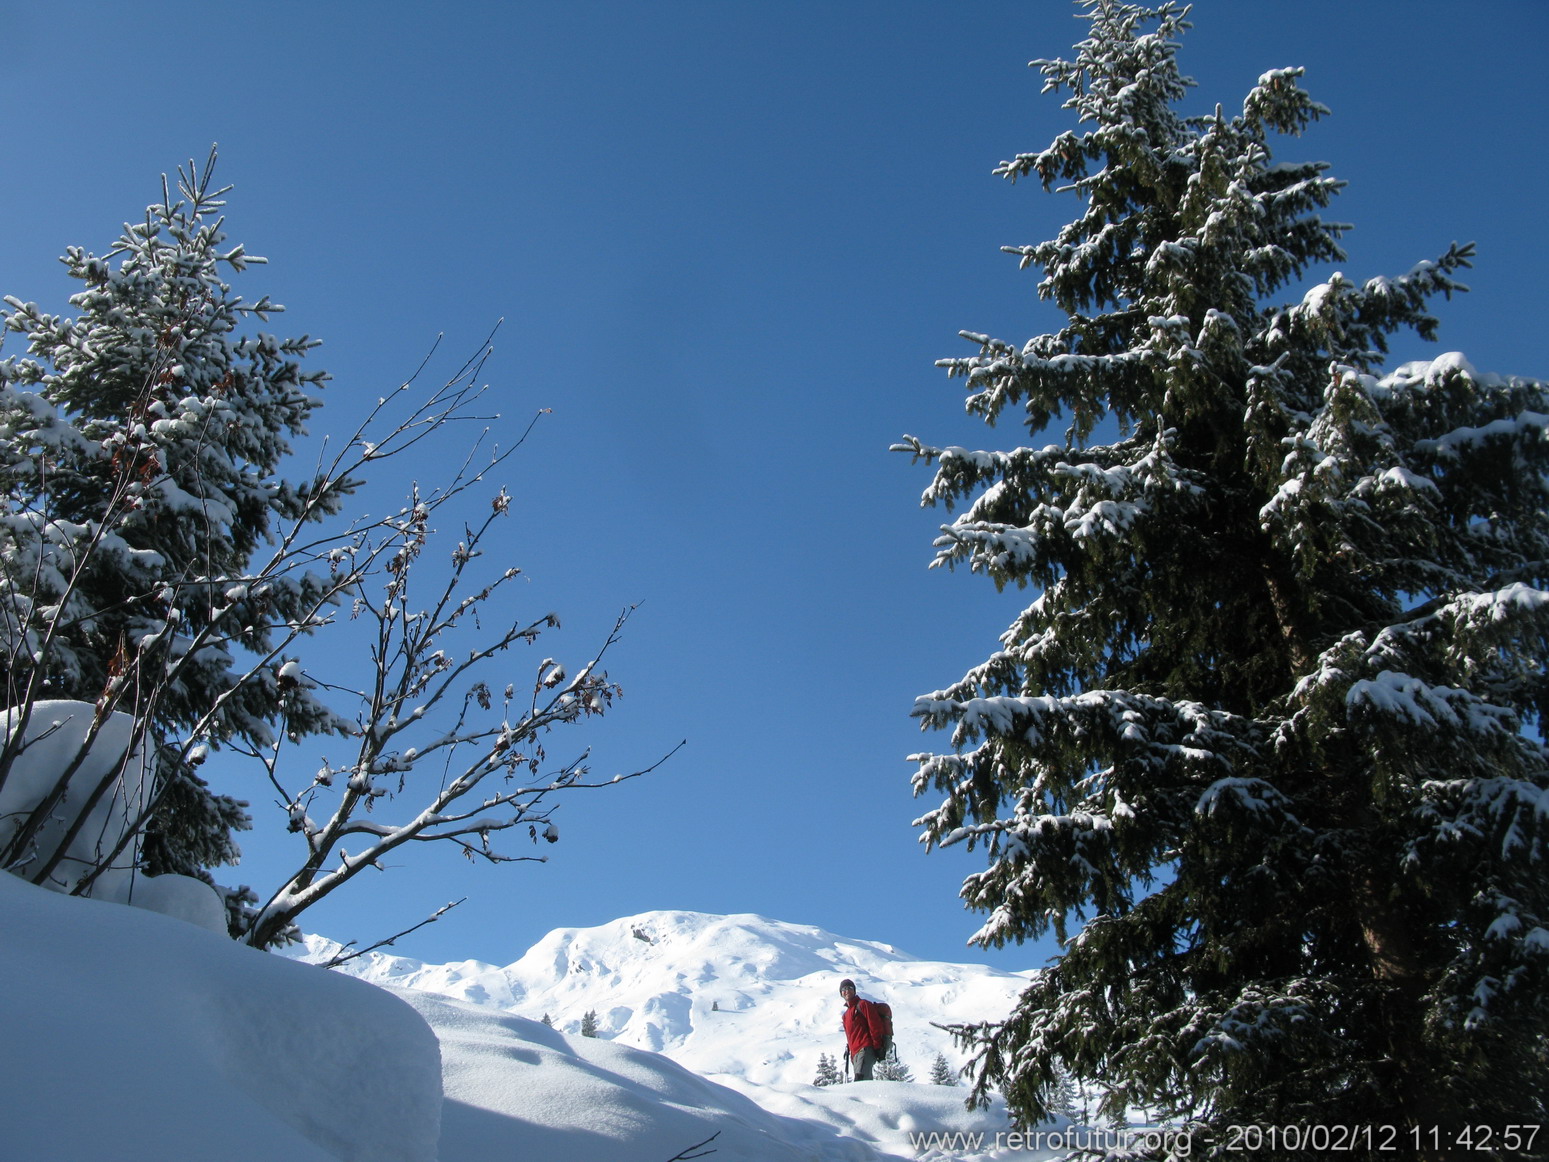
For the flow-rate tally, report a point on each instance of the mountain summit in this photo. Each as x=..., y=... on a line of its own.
x=741, y=996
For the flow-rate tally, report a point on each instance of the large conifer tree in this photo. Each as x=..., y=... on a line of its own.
x=1264, y=751
x=140, y=445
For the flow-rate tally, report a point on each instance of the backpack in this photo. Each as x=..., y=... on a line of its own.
x=885, y=1011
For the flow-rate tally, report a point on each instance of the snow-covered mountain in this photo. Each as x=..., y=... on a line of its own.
x=730, y=997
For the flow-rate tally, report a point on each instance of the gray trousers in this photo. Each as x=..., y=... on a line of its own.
x=863, y=1063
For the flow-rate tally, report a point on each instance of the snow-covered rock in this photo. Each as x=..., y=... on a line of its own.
x=53, y=738
x=55, y=734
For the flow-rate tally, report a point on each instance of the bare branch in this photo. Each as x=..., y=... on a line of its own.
x=339, y=958
x=684, y=1155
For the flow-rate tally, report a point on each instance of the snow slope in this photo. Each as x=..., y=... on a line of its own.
x=511, y=1083
x=737, y=998
x=564, y=1098
x=139, y=1037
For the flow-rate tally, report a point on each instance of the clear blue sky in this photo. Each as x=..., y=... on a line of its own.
x=728, y=240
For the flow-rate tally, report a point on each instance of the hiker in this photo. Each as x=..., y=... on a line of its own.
x=866, y=1030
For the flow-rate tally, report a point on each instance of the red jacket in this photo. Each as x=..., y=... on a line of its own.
x=863, y=1027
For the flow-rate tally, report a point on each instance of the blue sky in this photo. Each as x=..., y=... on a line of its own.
x=728, y=242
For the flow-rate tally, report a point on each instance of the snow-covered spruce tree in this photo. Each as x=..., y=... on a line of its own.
x=1264, y=751
x=941, y=1071
x=890, y=1068
x=828, y=1073
x=1066, y=1100
x=140, y=441
x=589, y=1023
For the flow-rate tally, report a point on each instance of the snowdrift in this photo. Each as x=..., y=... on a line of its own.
x=56, y=733
x=138, y=1037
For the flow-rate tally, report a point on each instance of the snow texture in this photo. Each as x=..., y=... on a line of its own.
x=745, y=1002
x=573, y=1099
x=141, y=1038
x=55, y=734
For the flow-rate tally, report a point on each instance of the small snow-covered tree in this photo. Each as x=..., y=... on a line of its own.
x=548, y=1020
x=589, y=1023
x=1068, y=1100
x=437, y=752
x=140, y=442
x=890, y=1068
x=941, y=1071
x=1264, y=752
x=828, y=1072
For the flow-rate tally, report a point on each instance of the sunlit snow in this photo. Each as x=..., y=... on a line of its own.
x=258, y=1057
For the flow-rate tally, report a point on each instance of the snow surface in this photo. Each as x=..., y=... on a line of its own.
x=55, y=734
x=743, y=1001
x=140, y=1037
x=510, y=1081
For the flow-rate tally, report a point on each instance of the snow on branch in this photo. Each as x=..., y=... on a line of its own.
x=424, y=680
x=432, y=732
